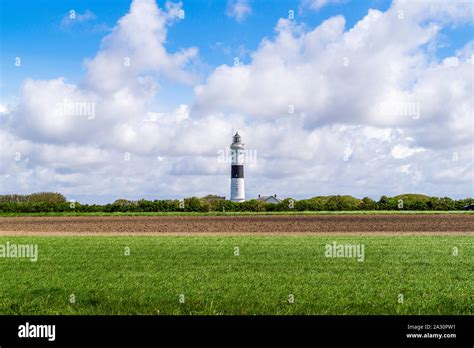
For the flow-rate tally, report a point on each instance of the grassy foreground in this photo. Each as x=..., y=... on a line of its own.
x=260, y=280
x=242, y=213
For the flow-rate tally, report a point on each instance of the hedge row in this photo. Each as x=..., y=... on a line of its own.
x=194, y=204
x=52, y=197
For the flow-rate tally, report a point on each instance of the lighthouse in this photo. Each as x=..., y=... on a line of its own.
x=237, y=186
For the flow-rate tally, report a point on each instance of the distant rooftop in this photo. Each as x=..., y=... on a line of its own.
x=268, y=199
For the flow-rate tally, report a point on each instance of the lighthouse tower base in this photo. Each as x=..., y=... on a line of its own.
x=237, y=190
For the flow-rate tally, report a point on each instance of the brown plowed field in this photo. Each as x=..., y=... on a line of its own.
x=396, y=224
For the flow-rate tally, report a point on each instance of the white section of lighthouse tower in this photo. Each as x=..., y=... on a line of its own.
x=237, y=185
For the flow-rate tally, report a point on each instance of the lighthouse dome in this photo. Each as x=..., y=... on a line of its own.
x=237, y=143
x=236, y=138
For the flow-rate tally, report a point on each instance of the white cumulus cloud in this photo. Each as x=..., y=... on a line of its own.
x=238, y=9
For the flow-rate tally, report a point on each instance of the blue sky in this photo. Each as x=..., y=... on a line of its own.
x=432, y=36
x=49, y=50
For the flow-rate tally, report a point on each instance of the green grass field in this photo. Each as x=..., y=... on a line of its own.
x=258, y=281
x=215, y=213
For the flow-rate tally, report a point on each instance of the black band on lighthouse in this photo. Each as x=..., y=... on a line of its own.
x=237, y=171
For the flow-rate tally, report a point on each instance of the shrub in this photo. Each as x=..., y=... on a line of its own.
x=368, y=204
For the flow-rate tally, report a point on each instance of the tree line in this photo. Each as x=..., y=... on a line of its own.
x=56, y=202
